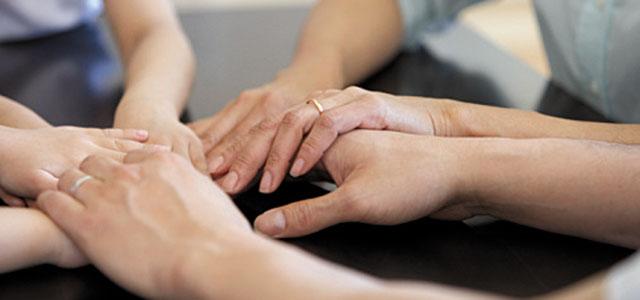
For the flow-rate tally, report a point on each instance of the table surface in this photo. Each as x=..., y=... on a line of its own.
x=73, y=78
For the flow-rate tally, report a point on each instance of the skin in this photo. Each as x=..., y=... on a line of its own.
x=159, y=66
x=186, y=239
x=456, y=178
x=28, y=238
x=297, y=143
x=38, y=155
x=327, y=56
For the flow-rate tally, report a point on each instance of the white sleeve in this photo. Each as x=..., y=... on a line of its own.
x=623, y=282
x=419, y=14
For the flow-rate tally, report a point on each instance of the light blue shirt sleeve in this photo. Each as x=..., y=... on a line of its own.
x=419, y=15
x=623, y=282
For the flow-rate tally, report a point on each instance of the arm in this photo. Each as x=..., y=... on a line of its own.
x=159, y=68
x=342, y=42
x=28, y=238
x=582, y=188
x=13, y=114
x=487, y=121
x=204, y=250
x=578, y=187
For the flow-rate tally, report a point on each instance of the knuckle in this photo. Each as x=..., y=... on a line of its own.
x=244, y=160
x=353, y=205
x=292, y=118
x=316, y=94
x=300, y=216
x=245, y=96
x=264, y=126
x=327, y=120
x=354, y=90
x=274, y=159
x=309, y=148
x=165, y=157
x=272, y=99
x=126, y=172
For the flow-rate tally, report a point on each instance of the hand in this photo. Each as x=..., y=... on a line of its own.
x=165, y=130
x=229, y=128
x=138, y=221
x=383, y=178
x=305, y=131
x=36, y=158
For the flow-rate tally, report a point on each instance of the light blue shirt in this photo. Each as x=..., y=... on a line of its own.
x=28, y=19
x=623, y=282
x=593, y=46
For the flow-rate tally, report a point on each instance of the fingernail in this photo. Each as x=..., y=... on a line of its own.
x=143, y=134
x=216, y=162
x=265, y=184
x=297, y=167
x=271, y=223
x=230, y=181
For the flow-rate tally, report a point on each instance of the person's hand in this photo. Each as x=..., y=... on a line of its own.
x=304, y=134
x=34, y=159
x=166, y=130
x=138, y=221
x=383, y=178
x=229, y=128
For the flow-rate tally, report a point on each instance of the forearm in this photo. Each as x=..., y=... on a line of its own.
x=159, y=63
x=13, y=114
x=277, y=271
x=582, y=188
x=25, y=238
x=345, y=41
x=488, y=121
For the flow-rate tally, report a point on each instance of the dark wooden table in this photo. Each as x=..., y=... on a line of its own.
x=73, y=78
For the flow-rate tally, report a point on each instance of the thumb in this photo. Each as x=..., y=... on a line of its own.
x=303, y=217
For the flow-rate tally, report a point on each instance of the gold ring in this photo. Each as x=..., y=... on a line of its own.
x=316, y=104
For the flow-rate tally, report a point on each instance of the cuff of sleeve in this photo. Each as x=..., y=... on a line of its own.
x=623, y=282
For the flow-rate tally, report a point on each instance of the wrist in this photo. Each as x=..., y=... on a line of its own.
x=212, y=266
x=314, y=72
x=139, y=115
x=272, y=271
x=490, y=168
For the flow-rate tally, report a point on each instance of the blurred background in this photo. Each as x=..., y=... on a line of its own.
x=510, y=24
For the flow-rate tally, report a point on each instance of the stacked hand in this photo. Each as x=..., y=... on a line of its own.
x=164, y=129
x=36, y=158
x=383, y=178
x=295, y=142
x=160, y=201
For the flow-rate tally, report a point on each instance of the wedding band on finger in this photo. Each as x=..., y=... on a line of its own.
x=78, y=183
x=317, y=105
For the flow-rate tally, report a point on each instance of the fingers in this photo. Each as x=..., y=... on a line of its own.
x=197, y=156
x=284, y=146
x=201, y=126
x=138, y=135
x=249, y=159
x=78, y=184
x=293, y=127
x=303, y=217
x=224, y=152
x=127, y=146
x=99, y=166
x=64, y=210
x=364, y=113
x=11, y=200
x=139, y=156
